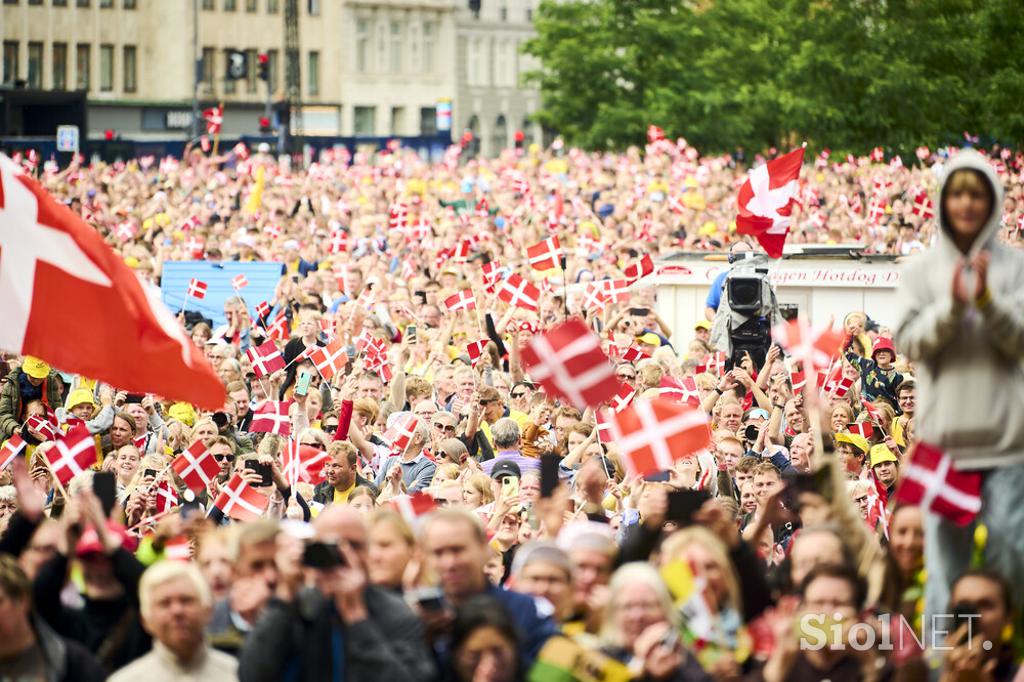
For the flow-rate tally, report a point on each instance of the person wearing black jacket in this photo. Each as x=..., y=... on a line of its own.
x=341, y=629
x=107, y=623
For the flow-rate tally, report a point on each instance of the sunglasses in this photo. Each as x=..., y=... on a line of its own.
x=517, y=396
x=445, y=428
x=224, y=458
x=331, y=429
x=313, y=444
x=485, y=403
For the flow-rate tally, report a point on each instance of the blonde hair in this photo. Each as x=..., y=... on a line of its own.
x=387, y=515
x=967, y=180
x=675, y=545
x=482, y=484
x=631, y=574
x=164, y=572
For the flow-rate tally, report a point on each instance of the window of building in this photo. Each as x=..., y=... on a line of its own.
x=500, y=67
x=251, y=5
x=60, y=3
x=503, y=13
x=413, y=40
x=273, y=66
x=35, y=65
x=499, y=140
x=382, y=47
x=364, y=120
x=129, y=4
x=529, y=14
x=106, y=68
x=250, y=70
x=527, y=128
x=429, y=38
x=396, y=47
x=428, y=120
x=81, y=3
x=60, y=66
x=229, y=83
x=313, y=7
x=207, y=68
x=83, y=66
x=10, y=2
x=362, y=45
x=313, y=71
x=208, y=5
x=130, y=83
x=230, y=5
x=272, y=6
x=10, y=61
x=35, y=2
x=397, y=120
x=106, y=4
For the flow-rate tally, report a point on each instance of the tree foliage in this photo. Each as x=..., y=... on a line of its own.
x=846, y=74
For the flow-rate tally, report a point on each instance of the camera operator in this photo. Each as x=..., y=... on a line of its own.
x=747, y=310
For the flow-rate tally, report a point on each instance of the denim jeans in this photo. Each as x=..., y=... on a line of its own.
x=948, y=548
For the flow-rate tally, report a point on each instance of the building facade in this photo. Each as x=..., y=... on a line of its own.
x=369, y=68
x=492, y=101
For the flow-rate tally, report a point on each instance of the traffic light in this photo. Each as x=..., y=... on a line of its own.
x=265, y=126
x=263, y=66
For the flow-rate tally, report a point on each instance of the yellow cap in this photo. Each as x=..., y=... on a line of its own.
x=182, y=412
x=880, y=453
x=79, y=396
x=859, y=442
x=35, y=368
x=649, y=338
x=703, y=324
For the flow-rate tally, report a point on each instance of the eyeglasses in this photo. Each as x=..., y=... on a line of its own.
x=485, y=403
x=224, y=458
x=333, y=428
x=627, y=377
x=313, y=444
x=445, y=428
x=517, y=396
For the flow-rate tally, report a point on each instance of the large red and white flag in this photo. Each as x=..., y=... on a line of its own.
x=73, y=454
x=278, y=330
x=196, y=466
x=634, y=353
x=240, y=501
x=568, y=362
x=862, y=429
x=329, y=359
x=766, y=199
x=639, y=269
x=214, y=117
x=463, y=300
x=401, y=432
x=120, y=333
x=272, y=417
x=813, y=348
x=412, y=507
x=680, y=390
x=166, y=497
x=653, y=434
x=265, y=359
x=519, y=293
x=303, y=462
x=930, y=482
x=623, y=398
x=14, y=446
x=546, y=255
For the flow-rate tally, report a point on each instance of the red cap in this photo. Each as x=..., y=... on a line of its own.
x=883, y=343
x=90, y=543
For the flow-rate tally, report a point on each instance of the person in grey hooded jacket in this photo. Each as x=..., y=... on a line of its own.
x=962, y=324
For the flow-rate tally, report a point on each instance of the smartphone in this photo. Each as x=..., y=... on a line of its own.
x=510, y=486
x=410, y=333
x=683, y=504
x=150, y=472
x=302, y=383
x=104, y=485
x=265, y=472
x=430, y=598
x=549, y=475
x=322, y=555
x=658, y=477
x=639, y=312
x=133, y=398
x=190, y=508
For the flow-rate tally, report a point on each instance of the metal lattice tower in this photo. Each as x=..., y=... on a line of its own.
x=293, y=80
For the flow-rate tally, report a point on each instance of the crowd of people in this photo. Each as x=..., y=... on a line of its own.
x=452, y=552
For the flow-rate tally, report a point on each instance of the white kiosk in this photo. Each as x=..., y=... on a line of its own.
x=822, y=281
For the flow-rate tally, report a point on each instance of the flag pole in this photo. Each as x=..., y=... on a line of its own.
x=56, y=479
x=216, y=135
x=565, y=289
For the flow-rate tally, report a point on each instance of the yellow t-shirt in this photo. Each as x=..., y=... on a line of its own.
x=341, y=496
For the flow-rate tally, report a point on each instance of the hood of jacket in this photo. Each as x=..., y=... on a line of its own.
x=970, y=159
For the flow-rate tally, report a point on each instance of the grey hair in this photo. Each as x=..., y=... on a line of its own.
x=631, y=574
x=505, y=433
x=8, y=493
x=165, y=571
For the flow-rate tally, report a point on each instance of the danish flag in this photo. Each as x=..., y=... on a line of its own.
x=278, y=329
x=594, y=297
x=633, y=353
x=240, y=501
x=329, y=359
x=265, y=359
x=272, y=417
x=214, y=117
x=73, y=454
x=476, y=351
x=401, y=432
x=923, y=206
x=398, y=216
x=654, y=434
x=463, y=300
x=930, y=481
x=303, y=462
x=545, y=255
x=194, y=246
x=680, y=390
x=623, y=398
x=862, y=429
x=339, y=241
x=713, y=364
x=842, y=387
x=568, y=362
x=126, y=230
x=616, y=290
x=43, y=426
x=239, y=282
x=519, y=293
x=196, y=466
x=813, y=348
x=412, y=507
x=797, y=380
x=14, y=446
x=874, y=412
x=166, y=497
x=197, y=289
x=654, y=133
x=639, y=269
x=273, y=231
x=766, y=200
